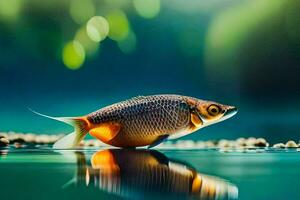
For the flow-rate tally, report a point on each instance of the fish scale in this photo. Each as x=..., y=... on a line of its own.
x=145, y=118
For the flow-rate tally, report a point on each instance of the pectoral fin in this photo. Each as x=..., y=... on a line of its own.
x=159, y=140
x=106, y=131
x=196, y=120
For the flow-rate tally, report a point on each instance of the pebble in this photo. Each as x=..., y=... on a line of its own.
x=82, y=143
x=240, y=144
x=250, y=142
x=29, y=138
x=224, y=143
x=189, y=144
x=90, y=143
x=279, y=145
x=261, y=142
x=4, y=142
x=200, y=144
x=209, y=144
x=291, y=144
x=2, y=134
x=18, y=145
x=185, y=144
x=42, y=139
x=18, y=140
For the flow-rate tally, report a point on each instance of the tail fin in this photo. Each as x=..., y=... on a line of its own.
x=71, y=140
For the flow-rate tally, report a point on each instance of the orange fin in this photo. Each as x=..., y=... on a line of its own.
x=106, y=131
x=104, y=160
x=197, y=122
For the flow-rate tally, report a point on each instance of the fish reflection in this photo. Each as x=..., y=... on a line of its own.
x=140, y=174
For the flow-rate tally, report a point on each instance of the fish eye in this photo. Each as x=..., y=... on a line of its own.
x=213, y=110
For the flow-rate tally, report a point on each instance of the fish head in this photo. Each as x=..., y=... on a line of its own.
x=204, y=113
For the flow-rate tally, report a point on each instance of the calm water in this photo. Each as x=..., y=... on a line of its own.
x=143, y=174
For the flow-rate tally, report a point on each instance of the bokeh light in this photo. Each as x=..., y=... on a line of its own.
x=128, y=45
x=91, y=47
x=73, y=55
x=97, y=28
x=117, y=3
x=230, y=29
x=293, y=22
x=147, y=8
x=9, y=9
x=81, y=11
x=118, y=25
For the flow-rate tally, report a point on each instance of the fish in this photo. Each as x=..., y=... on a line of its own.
x=145, y=173
x=144, y=121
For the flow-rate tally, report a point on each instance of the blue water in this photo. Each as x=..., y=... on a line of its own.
x=41, y=173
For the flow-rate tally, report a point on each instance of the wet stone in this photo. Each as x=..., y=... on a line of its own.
x=209, y=144
x=29, y=138
x=291, y=144
x=261, y=142
x=241, y=142
x=223, y=143
x=82, y=143
x=226, y=144
x=279, y=145
x=200, y=144
x=185, y=144
x=18, y=140
x=3, y=134
x=4, y=142
x=250, y=142
x=41, y=139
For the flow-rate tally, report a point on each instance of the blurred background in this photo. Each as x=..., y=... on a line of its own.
x=71, y=57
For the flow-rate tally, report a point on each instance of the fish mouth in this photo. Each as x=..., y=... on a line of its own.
x=230, y=112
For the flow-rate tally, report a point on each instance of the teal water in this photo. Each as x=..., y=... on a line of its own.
x=41, y=173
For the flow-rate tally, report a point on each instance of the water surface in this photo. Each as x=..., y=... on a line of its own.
x=41, y=173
